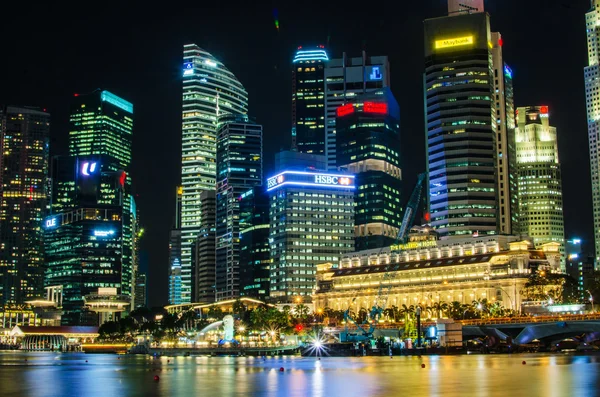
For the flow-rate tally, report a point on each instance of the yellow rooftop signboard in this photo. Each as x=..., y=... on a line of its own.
x=454, y=42
x=413, y=245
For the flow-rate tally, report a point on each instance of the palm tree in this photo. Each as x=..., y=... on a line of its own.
x=497, y=310
x=480, y=306
x=301, y=311
x=439, y=308
x=395, y=312
x=389, y=313
x=407, y=312
x=455, y=310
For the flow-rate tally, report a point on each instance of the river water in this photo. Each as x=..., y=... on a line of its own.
x=68, y=374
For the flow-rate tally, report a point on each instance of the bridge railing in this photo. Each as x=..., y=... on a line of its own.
x=530, y=319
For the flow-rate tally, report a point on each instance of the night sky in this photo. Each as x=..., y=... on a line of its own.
x=50, y=52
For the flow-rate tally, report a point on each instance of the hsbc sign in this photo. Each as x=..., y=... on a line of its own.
x=332, y=180
x=304, y=178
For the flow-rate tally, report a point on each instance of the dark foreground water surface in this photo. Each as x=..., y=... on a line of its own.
x=68, y=374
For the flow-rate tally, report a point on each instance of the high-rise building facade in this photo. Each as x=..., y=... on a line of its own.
x=91, y=236
x=239, y=168
x=539, y=171
x=175, y=253
x=175, y=267
x=85, y=244
x=209, y=91
x=461, y=125
x=368, y=146
x=345, y=78
x=101, y=123
x=506, y=160
x=141, y=288
x=255, y=258
x=592, y=96
x=308, y=99
x=24, y=155
x=311, y=222
x=205, y=263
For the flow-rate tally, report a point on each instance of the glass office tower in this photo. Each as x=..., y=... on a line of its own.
x=308, y=100
x=209, y=91
x=368, y=146
x=24, y=154
x=239, y=168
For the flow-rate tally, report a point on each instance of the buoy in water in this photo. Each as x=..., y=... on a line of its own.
x=281, y=369
x=422, y=365
x=156, y=378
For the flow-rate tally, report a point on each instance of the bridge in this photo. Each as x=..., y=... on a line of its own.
x=546, y=329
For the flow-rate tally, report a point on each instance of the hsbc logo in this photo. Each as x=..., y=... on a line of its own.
x=276, y=180
x=332, y=180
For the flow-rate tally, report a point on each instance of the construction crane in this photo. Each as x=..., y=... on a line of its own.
x=384, y=285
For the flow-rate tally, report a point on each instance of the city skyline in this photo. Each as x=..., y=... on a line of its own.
x=272, y=108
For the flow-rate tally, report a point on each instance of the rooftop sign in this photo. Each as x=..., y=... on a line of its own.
x=300, y=178
x=453, y=42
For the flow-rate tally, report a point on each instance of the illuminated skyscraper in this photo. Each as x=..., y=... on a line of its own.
x=461, y=125
x=239, y=168
x=101, y=123
x=592, y=89
x=175, y=254
x=308, y=100
x=203, y=288
x=311, y=222
x=506, y=159
x=90, y=238
x=368, y=146
x=255, y=255
x=540, y=185
x=345, y=78
x=24, y=154
x=209, y=90
x=88, y=244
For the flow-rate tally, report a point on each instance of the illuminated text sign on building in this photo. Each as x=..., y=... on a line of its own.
x=375, y=107
x=51, y=222
x=188, y=68
x=375, y=73
x=345, y=110
x=300, y=178
x=103, y=233
x=453, y=42
x=413, y=245
x=331, y=180
x=88, y=168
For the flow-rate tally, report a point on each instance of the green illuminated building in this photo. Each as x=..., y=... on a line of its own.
x=89, y=237
x=101, y=123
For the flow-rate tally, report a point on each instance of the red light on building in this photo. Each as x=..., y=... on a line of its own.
x=76, y=94
x=299, y=327
x=122, y=178
x=544, y=109
x=375, y=107
x=427, y=217
x=500, y=42
x=345, y=110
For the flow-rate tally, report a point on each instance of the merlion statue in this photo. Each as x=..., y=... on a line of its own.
x=228, y=326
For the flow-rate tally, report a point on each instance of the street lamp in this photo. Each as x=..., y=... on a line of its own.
x=591, y=299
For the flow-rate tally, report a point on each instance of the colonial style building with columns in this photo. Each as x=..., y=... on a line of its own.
x=426, y=270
